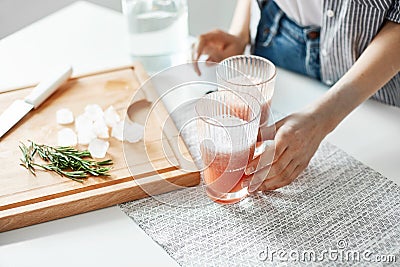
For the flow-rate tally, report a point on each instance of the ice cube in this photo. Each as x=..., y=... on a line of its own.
x=66, y=137
x=118, y=131
x=83, y=123
x=100, y=128
x=133, y=132
x=111, y=116
x=64, y=116
x=85, y=136
x=98, y=148
x=93, y=112
x=128, y=131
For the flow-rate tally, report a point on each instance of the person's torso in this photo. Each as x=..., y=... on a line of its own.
x=347, y=28
x=304, y=13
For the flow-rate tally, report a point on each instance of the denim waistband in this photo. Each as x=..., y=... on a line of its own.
x=286, y=43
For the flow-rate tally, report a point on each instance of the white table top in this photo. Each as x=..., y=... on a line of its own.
x=93, y=38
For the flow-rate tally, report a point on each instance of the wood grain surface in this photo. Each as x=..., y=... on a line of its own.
x=158, y=164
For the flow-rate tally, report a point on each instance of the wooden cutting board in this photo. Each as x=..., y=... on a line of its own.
x=157, y=164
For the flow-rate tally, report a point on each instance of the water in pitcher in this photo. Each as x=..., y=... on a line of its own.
x=158, y=31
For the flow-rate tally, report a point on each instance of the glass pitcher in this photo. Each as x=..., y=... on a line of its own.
x=158, y=31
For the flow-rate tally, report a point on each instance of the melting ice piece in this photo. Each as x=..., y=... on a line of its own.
x=84, y=128
x=128, y=131
x=83, y=123
x=64, y=116
x=98, y=148
x=85, y=136
x=66, y=137
x=93, y=112
x=118, y=131
x=133, y=132
x=100, y=128
x=111, y=116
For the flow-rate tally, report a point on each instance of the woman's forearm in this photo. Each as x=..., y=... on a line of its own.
x=375, y=67
x=240, y=25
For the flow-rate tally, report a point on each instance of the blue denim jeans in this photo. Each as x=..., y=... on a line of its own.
x=287, y=44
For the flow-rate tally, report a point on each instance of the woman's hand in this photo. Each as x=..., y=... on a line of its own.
x=296, y=139
x=218, y=45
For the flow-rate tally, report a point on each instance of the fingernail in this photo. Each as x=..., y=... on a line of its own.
x=249, y=170
x=254, y=185
x=252, y=188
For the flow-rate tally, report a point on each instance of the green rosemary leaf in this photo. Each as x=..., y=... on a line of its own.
x=65, y=161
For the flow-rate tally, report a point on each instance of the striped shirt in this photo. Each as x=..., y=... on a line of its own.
x=348, y=26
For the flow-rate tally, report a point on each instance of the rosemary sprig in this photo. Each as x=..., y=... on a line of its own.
x=66, y=161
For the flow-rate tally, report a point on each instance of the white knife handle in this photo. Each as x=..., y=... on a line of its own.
x=48, y=86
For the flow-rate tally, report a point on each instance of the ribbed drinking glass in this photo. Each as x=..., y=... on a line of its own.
x=227, y=128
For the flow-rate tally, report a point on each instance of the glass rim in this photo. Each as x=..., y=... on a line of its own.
x=247, y=56
x=205, y=118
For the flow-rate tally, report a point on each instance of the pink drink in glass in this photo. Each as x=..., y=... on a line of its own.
x=225, y=171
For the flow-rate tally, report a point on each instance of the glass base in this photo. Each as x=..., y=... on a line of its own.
x=227, y=198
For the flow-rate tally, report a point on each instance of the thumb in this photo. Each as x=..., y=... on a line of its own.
x=266, y=132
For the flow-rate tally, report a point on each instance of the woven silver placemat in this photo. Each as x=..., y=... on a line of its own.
x=338, y=212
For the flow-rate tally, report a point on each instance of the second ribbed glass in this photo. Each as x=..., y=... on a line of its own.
x=253, y=75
